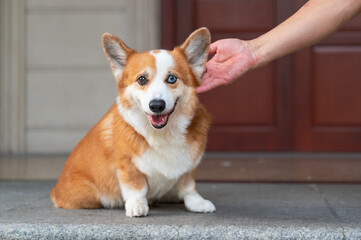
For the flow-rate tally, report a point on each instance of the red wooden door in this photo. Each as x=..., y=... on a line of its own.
x=298, y=102
x=327, y=92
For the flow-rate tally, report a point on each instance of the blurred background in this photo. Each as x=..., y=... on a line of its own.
x=298, y=119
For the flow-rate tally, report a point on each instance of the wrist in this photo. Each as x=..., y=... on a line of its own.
x=257, y=50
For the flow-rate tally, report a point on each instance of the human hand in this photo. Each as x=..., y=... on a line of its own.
x=232, y=58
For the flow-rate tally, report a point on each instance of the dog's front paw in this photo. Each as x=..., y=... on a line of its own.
x=199, y=204
x=136, y=208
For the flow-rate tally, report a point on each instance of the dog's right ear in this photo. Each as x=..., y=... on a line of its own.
x=117, y=53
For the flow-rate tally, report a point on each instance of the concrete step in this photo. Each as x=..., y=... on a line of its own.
x=244, y=211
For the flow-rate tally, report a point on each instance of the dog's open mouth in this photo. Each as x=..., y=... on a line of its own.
x=160, y=120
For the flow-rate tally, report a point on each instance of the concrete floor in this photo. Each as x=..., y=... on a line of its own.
x=244, y=211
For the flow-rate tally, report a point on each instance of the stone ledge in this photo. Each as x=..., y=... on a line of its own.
x=126, y=231
x=244, y=211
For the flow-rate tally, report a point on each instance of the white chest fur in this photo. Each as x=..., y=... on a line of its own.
x=163, y=167
x=168, y=155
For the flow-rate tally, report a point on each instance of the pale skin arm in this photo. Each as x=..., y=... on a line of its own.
x=313, y=22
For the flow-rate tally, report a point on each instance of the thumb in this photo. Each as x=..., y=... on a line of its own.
x=201, y=89
x=206, y=87
x=212, y=48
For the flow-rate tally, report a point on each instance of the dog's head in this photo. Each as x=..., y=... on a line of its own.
x=159, y=82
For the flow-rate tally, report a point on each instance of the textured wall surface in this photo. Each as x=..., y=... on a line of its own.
x=69, y=85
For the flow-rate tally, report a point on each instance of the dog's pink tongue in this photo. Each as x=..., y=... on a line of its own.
x=159, y=119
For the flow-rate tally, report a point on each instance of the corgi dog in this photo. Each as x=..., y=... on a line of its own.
x=147, y=146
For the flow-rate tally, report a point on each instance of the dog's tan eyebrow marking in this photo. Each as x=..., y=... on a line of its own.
x=172, y=73
x=144, y=73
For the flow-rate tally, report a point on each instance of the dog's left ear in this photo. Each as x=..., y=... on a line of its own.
x=196, y=49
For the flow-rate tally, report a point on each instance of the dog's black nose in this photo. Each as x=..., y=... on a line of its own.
x=157, y=105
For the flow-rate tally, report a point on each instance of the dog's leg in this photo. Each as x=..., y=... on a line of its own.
x=75, y=193
x=193, y=201
x=134, y=188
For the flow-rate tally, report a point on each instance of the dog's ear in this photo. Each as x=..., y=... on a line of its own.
x=117, y=53
x=196, y=49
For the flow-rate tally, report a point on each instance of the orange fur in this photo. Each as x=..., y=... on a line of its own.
x=91, y=168
x=183, y=69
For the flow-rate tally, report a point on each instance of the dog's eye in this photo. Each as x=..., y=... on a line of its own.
x=142, y=80
x=171, y=79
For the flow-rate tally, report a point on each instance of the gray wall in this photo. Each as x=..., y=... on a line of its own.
x=66, y=85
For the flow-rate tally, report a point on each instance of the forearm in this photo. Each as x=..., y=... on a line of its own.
x=314, y=21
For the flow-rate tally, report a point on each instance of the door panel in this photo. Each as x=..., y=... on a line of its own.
x=236, y=15
x=337, y=93
x=327, y=98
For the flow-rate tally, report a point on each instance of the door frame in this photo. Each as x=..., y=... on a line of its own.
x=13, y=76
